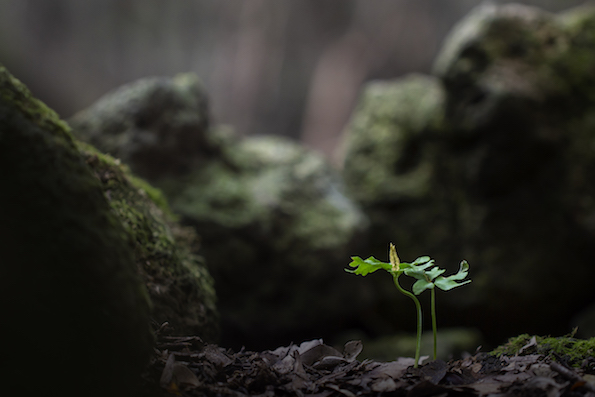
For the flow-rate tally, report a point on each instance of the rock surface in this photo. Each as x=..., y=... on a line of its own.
x=277, y=229
x=492, y=161
x=158, y=125
x=275, y=224
x=76, y=316
x=165, y=253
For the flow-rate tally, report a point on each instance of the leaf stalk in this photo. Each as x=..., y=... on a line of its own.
x=419, y=317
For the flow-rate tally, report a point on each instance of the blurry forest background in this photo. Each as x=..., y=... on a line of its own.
x=282, y=67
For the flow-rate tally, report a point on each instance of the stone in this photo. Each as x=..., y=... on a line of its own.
x=275, y=225
x=166, y=254
x=157, y=124
x=498, y=172
x=382, y=158
x=277, y=231
x=159, y=127
x=389, y=167
x=76, y=314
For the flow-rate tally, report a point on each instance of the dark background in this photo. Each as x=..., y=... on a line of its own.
x=285, y=67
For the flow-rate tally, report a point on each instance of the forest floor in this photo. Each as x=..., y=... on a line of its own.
x=185, y=366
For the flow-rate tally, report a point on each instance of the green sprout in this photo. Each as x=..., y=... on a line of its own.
x=427, y=275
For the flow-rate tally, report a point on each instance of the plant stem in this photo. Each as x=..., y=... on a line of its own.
x=434, y=328
x=419, y=318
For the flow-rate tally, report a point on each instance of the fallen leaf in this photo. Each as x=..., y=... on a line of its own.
x=384, y=385
x=433, y=371
x=532, y=343
x=392, y=369
x=184, y=377
x=352, y=349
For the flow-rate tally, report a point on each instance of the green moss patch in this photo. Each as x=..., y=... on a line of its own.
x=566, y=348
x=179, y=285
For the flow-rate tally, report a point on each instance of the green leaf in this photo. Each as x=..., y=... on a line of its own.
x=417, y=269
x=450, y=282
x=370, y=265
x=435, y=272
x=418, y=266
x=420, y=260
x=422, y=285
x=419, y=274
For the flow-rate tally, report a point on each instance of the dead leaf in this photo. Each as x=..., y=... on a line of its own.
x=316, y=353
x=538, y=386
x=168, y=371
x=384, y=385
x=352, y=349
x=342, y=391
x=216, y=356
x=184, y=377
x=520, y=363
x=433, y=371
x=532, y=343
x=392, y=369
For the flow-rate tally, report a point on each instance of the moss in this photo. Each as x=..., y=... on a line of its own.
x=569, y=349
x=383, y=161
x=575, y=65
x=227, y=200
x=14, y=92
x=165, y=252
x=69, y=284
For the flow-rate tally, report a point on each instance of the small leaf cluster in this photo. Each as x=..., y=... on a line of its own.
x=418, y=269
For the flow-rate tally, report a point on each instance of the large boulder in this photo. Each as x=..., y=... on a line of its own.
x=278, y=232
x=76, y=314
x=157, y=125
x=490, y=160
x=389, y=166
x=276, y=228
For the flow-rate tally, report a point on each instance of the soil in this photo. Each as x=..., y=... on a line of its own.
x=186, y=366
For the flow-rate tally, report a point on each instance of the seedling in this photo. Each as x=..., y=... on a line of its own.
x=427, y=275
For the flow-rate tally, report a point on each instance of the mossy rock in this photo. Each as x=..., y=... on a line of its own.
x=389, y=166
x=166, y=254
x=76, y=313
x=506, y=66
x=278, y=232
x=157, y=124
x=383, y=159
x=276, y=227
x=497, y=171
